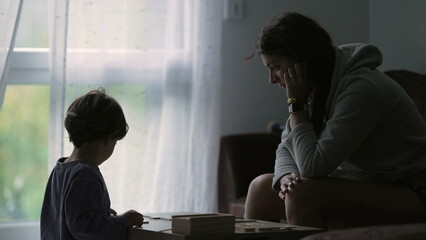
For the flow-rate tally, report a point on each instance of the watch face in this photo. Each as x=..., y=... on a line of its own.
x=298, y=107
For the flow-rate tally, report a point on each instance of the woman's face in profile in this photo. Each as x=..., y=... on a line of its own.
x=277, y=66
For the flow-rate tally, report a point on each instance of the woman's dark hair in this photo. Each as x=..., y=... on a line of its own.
x=302, y=39
x=95, y=116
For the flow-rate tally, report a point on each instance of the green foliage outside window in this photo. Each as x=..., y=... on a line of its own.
x=24, y=119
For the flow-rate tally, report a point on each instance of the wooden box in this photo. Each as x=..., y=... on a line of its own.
x=201, y=224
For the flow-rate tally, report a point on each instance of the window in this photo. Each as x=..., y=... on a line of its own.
x=152, y=68
x=32, y=31
x=24, y=119
x=24, y=116
x=23, y=150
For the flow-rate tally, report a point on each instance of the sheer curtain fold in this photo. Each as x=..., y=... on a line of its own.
x=10, y=11
x=161, y=60
x=205, y=109
x=58, y=24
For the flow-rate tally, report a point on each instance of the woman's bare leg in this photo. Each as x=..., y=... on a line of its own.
x=262, y=201
x=341, y=203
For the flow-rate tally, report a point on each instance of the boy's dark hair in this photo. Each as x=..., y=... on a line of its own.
x=301, y=38
x=95, y=116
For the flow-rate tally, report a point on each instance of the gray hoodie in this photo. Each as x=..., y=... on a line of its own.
x=373, y=129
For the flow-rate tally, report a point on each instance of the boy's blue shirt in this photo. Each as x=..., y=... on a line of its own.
x=77, y=205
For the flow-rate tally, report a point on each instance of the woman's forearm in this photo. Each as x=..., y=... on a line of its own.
x=297, y=118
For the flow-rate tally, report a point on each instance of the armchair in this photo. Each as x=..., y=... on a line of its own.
x=242, y=158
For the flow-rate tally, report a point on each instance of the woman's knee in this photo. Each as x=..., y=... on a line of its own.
x=261, y=183
x=262, y=201
x=260, y=189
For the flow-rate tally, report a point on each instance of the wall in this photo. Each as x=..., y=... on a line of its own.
x=398, y=28
x=249, y=102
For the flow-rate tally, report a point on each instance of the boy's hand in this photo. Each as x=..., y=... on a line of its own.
x=133, y=218
x=113, y=212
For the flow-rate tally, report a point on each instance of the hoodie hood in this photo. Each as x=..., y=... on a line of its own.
x=351, y=60
x=356, y=56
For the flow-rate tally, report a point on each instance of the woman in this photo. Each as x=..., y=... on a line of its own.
x=353, y=152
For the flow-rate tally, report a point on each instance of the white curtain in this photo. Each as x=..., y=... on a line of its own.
x=10, y=11
x=161, y=60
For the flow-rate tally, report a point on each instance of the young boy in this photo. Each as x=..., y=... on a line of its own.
x=76, y=202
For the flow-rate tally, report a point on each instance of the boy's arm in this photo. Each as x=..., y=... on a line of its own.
x=87, y=211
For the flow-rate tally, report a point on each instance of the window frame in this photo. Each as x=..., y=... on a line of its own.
x=26, y=66
x=29, y=66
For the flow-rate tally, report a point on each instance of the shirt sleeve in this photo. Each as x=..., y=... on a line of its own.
x=284, y=162
x=356, y=114
x=86, y=213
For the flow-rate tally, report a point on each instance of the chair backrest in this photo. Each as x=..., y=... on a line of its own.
x=415, y=86
x=242, y=158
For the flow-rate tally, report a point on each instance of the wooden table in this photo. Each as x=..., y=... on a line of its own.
x=159, y=228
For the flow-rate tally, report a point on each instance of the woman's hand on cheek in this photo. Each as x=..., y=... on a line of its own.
x=295, y=81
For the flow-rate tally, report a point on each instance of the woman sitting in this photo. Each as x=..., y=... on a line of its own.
x=353, y=152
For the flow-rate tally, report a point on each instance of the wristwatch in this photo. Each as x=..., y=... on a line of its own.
x=295, y=107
